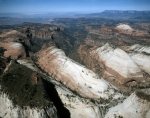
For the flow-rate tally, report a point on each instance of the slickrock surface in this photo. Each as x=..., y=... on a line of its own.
x=135, y=106
x=78, y=107
x=73, y=75
x=118, y=63
x=143, y=61
x=124, y=27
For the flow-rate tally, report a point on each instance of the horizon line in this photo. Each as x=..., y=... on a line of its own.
x=66, y=12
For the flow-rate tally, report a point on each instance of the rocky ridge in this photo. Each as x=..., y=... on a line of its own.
x=77, y=106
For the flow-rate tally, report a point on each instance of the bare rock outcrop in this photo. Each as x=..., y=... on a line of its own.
x=14, y=50
x=77, y=105
x=127, y=29
x=15, y=44
x=137, y=105
x=8, y=109
x=118, y=63
x=73, y=75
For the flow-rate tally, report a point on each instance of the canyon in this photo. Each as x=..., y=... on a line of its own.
x=83, y=68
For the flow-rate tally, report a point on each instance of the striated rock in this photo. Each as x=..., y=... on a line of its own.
x=73, y=75
x=143, y=61
x=139, y=48
x=77, y=106
x=140, y=54
x=118, y=63
x=137, y=54
x=137, y=105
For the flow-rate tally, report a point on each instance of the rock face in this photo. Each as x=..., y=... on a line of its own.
x=15, y=36
x=142, y=61
x=43, y=34
x=139, y=48
x=124, y=27
x=78, y=107
x=73, y=75
x=118, y=63
x=132, y=107
x=14, y=50
x=8, y=109
x=124, y=63
x=15, y=43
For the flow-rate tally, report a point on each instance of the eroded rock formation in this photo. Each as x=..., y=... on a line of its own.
x=137, y=105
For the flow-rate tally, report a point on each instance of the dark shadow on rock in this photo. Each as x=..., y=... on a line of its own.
x=26, y=49
x=53, y=95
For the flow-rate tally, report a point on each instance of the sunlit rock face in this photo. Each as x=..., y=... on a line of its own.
x=132, y=107
x=140, y=55
x=73, y=75
x=127, y=29
x=124, y=27
x=118, y=63
x=13, y=50
x=143, y=61
x=78, y=107
x=9, y=110
x=122, y=63
x=138, y=48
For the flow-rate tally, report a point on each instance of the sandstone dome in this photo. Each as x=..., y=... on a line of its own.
x=124, y=27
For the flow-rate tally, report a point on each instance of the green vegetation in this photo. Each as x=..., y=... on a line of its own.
x=18, y=82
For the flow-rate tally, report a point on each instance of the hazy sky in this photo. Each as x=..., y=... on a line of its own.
x=82, y=6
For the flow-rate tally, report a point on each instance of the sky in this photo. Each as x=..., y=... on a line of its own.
x=78, y=6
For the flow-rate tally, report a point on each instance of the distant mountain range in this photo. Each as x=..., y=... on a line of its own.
x=106, y=13
x=120, y=14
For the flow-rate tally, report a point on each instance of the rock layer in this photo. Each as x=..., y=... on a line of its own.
x=78, y=107
x=132, y=107
x=73, y=75
x=118, y=63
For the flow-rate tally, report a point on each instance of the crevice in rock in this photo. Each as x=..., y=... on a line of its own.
x=26, y=49
x=53, y=95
